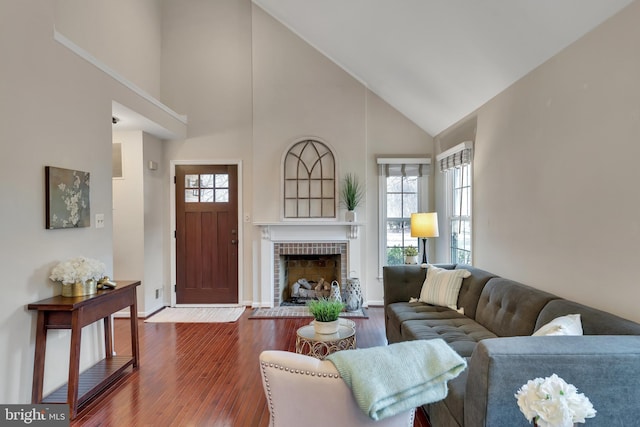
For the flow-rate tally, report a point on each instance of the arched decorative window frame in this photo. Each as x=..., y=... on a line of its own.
x=283, y=178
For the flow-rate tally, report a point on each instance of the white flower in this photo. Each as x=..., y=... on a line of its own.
x=79, y=269
x=551, y=402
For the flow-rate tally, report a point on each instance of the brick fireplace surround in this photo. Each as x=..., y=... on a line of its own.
x=304, y=248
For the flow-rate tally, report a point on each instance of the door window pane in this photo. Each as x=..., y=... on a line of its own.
x=191, y=196
x=222, y=180
x=206, y=180
x=191, y=181
x=222, y=196
x=206, y=195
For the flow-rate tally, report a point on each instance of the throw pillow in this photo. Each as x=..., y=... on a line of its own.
x=565, y=325
x=441, y=287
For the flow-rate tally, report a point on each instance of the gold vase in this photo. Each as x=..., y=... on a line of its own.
x=79, y=289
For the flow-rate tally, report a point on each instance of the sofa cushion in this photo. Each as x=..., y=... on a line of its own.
x=563, y=325
x=471, y=289
x=441, y=287
x=594, y=321
x=403, y=311
x=399, y=312
x=462, y=334
x=508, y=308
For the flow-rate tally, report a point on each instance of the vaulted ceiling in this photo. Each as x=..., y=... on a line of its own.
x=436, y=61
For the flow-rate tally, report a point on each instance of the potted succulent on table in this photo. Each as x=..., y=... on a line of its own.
x=326, y=313
x=411, y=255
x=352, y=194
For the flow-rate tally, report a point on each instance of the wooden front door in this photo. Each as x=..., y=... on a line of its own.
x=206, y=234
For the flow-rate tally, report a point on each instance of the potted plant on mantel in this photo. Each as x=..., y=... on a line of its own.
x=411, y=255
x=352, y=194
x=326, y=313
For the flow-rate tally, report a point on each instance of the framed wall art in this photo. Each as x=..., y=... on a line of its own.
x=67, y=198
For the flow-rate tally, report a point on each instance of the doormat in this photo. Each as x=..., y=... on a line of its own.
x=196, y=315
x=299, y=311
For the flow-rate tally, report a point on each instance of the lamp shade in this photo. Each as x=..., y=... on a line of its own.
x=424, y=224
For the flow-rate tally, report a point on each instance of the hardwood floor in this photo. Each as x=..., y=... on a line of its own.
x=204, y=374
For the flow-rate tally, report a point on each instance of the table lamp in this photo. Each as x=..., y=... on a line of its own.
x=423, y=226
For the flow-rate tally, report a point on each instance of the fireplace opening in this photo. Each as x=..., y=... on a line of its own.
x=307, y=277
x=309, y=260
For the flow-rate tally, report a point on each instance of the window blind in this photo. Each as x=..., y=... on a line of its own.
x=404, y=167
x=456, y=156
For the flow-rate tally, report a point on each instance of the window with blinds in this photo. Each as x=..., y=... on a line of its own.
x=403, y=190
x=456, y=164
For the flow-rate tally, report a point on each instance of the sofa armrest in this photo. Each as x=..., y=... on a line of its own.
x=603, y=367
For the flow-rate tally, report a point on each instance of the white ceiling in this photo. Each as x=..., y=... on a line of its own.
x=436, y=61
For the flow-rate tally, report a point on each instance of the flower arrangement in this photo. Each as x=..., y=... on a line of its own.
x=411, y=251
x=551, y=402
x=77, y=270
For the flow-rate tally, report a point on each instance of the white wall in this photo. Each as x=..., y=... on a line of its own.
x=256, y=89
x=556, y=174
x=128, y=213
x=138, y=218
x=228, y=66
x=155, y=234
x=389, y=134
x=298, y=92
x=124, y=34
x=56, y=110
x=464, y=130
x=206, y=69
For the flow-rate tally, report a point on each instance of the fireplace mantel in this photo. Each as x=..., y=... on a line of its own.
x=269, y=229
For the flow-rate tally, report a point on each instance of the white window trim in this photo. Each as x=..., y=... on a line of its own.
x=451, y=212
x=448, y=183
x=423, y=201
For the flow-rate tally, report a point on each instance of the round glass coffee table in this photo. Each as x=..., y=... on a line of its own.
x=310, y=343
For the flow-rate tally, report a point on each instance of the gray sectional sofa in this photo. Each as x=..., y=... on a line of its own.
x=494, y=333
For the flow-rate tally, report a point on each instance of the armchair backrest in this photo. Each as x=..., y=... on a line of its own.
x=302, y=390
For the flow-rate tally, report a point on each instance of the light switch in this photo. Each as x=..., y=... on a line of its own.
x=99, y=220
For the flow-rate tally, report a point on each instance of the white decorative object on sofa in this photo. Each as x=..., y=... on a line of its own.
x=441, y=287
x=564, y=325
x=551, y=402
x=304, y=391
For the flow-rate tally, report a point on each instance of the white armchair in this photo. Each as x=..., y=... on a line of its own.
x=304, y=391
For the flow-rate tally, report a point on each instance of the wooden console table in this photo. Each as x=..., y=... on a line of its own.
x=74, y=313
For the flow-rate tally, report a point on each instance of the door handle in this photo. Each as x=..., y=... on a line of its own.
x=233, y=242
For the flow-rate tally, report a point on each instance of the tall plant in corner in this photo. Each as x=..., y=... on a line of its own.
x=352, y=195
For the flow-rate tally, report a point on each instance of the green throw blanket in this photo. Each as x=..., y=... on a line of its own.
x=391, y=379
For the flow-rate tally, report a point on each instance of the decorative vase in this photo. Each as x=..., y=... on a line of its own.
x=335, y=295
x=326, y=328
x=79, y=289
x=411, y=259
x=350, y=216
x=354, y=294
